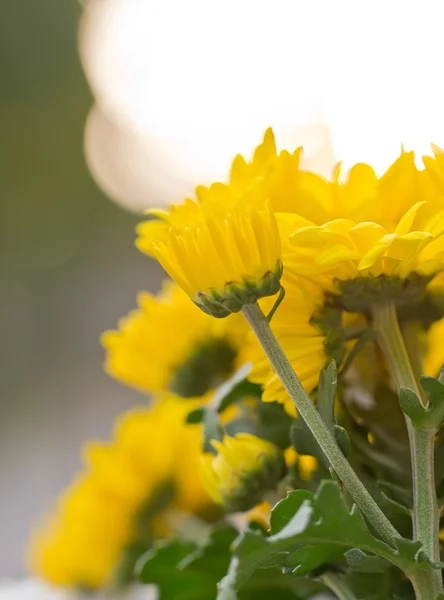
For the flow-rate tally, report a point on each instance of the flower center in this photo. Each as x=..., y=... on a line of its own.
x=209, y=364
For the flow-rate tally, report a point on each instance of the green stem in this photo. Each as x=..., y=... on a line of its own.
x=310, y=415
x=338, y=586
x=422, y=451
x=423, y=584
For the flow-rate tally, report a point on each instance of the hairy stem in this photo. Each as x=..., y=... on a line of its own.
x=310, y=415
x=422, y=452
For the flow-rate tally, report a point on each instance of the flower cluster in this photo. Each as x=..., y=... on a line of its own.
x=130, y=491
x=316, y=259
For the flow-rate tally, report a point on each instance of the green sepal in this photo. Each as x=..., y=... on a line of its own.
x=236, y=295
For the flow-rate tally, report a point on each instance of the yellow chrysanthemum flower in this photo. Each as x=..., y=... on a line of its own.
x=395, y=237
x=153, y=451
x=361, y=196
x=243, y=468
x=289, y=188
x=167, y=344
x=223, y=250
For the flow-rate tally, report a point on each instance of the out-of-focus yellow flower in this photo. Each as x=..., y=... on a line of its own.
x=244, y=467
x=167, y=344
x=259, y=514
x=101, y=513
x=307, y=464
x=223, y=250
x=434, y=349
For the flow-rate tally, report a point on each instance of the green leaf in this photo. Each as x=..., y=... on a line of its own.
x=343, y=440
x=434, y=390
x=320, y=522
x=314, y=560
x=381, y=587
x=361, y=562
x=241, y=390
x=326, y=517
x=263, y=586
x=412, y=405
x=288, y=507
x=396, y=507
x=302, y=438
x=196, y=416
x=233, y=389
x=327, y=394
x=430, y=416
x=185, y=571
x=213, y=430
x=305, y=443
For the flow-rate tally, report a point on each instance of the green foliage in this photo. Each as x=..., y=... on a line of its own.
x=312, y=533
x=184, y=570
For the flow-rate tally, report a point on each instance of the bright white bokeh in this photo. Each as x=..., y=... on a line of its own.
x=33, y=589
x=182, y=86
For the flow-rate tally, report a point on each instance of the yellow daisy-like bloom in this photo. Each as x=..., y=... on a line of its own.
x=347, y=265
x=153, y=452
x=243, y=468
x=396, y=234
x=168, y=344
x=224, y=250
x=289, y=188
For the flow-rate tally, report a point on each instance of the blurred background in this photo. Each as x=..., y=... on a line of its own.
x=68, y=270
x=143, y=100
